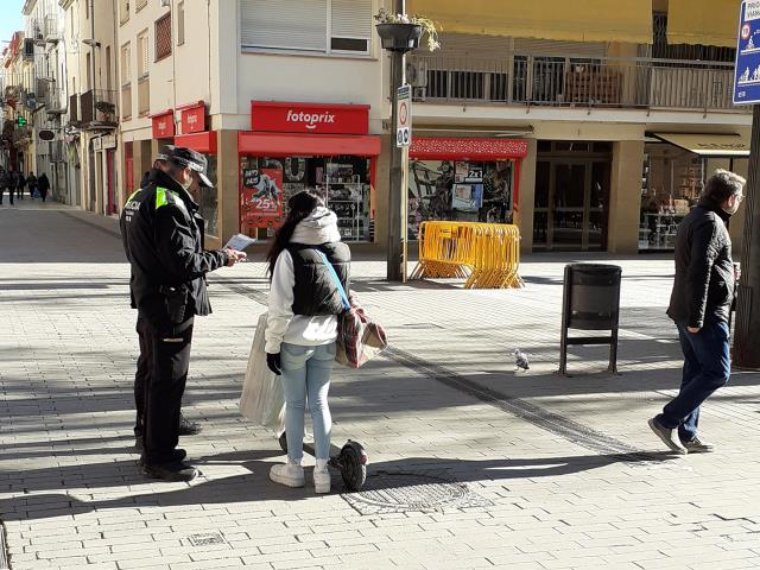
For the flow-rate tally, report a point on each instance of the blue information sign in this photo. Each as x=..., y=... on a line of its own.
x=747, y=72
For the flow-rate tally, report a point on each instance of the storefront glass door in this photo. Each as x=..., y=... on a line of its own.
x=571, y=205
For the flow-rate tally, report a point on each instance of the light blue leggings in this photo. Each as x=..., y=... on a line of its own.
x=306, y=370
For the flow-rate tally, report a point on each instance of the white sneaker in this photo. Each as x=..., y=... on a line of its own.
x=288, y=474
x=322, y=478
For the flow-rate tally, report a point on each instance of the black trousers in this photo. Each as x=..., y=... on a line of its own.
x=163, y=366
x=141, y=378
x=10, y=194
x=20, y=192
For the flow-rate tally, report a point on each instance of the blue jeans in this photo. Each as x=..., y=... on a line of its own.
x=706, y=367
x=306, y=370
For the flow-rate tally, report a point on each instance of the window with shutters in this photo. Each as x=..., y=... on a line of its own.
x=126, y=68
x=124, y=11
x=164, y=37
x=142, y=54
x=180, y=23
x=339, y=27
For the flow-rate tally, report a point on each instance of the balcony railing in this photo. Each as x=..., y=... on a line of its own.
x=126, y=102
x=55, y=101
x=143, y=96
x=573, y=82
x=52, y=29
x=99, y=109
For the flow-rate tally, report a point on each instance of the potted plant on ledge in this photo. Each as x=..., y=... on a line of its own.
x=399, y=32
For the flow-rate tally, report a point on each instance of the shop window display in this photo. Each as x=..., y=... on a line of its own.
x=268, y=183
x=459, y=191
x=671, y=183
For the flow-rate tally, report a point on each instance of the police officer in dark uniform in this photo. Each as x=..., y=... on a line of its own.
x=186, y=427
x=163, y=236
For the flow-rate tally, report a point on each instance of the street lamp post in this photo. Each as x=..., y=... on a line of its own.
x=398, y=39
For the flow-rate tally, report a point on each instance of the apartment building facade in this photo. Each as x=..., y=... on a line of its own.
x=91, y=134
x=592, y=126
x=279, y=95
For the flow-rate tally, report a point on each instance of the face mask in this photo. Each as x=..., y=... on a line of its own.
x=733, y=209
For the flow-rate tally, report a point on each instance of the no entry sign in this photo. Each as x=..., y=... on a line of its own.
x=404, y=114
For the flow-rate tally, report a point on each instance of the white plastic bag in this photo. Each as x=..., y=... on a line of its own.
x=262, y=400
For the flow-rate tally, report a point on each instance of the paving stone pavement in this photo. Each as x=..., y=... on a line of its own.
x=533, y=470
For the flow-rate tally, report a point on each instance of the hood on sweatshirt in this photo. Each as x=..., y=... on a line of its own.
x=321, y=226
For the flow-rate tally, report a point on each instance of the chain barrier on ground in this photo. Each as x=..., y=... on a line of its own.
x=487, y=255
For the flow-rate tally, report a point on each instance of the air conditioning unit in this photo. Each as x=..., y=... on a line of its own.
x=417, y=74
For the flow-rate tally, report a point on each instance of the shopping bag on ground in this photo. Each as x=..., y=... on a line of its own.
x=262, y=400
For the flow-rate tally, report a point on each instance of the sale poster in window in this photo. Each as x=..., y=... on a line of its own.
x=261, y=199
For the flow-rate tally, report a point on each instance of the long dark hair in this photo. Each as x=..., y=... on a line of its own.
x=300, y=206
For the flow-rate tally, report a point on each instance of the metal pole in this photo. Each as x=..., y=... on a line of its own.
x=93, y=45
x=746, y=353
x=398, y=190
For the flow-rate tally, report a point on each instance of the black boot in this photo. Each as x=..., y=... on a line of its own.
x=186, y=427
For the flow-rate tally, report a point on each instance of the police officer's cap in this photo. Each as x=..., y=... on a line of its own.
x=188, y=158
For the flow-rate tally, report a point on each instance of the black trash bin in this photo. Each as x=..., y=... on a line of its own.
x=591, y=303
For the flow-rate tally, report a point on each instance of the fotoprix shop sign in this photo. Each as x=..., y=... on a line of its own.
x=311, y=118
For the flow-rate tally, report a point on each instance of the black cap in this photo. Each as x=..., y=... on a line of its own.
x=187, y=157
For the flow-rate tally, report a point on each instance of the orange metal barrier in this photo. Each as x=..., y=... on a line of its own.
x=487, y=255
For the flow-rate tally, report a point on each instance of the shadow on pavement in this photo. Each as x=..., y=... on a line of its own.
x=255, y=485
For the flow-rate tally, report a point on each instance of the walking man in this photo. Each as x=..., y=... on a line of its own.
x=703, y=292
x=31, y=182
x=163, y=236
x=43, y=185
x=20, y=183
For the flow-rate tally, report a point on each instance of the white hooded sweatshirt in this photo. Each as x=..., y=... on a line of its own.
x=282, y=325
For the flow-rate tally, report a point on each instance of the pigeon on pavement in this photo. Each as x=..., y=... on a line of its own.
x=521, y=360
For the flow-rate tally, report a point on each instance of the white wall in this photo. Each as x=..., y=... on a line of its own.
x=247, y=76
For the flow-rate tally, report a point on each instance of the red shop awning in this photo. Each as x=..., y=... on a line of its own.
x=204, y=142
x=442, y=148
x=277, y=144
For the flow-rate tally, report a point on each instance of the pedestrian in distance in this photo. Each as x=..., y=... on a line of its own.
x=43, y=186
x=20, y=183
x=703, y=292
x=7, y=182
x=305, y=259
x=31, y=183
x=163, y=237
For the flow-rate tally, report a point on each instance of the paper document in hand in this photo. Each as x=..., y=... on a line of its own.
x=239, y=242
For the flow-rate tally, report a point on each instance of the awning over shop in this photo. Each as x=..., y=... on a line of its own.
x=204, y=142
x=580, y=20
x=708, y=144
x=703, y=22
x=442, y=148
x=274, y=144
